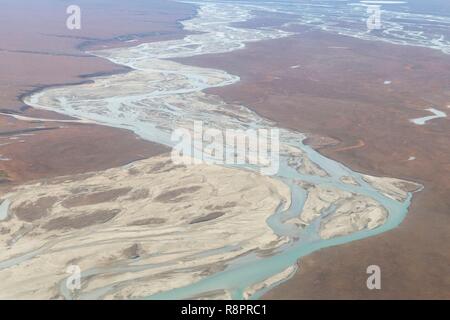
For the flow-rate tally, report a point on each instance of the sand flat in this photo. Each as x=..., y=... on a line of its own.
x=95, y=233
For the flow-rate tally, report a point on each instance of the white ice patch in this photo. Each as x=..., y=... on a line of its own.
x=423, y=120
